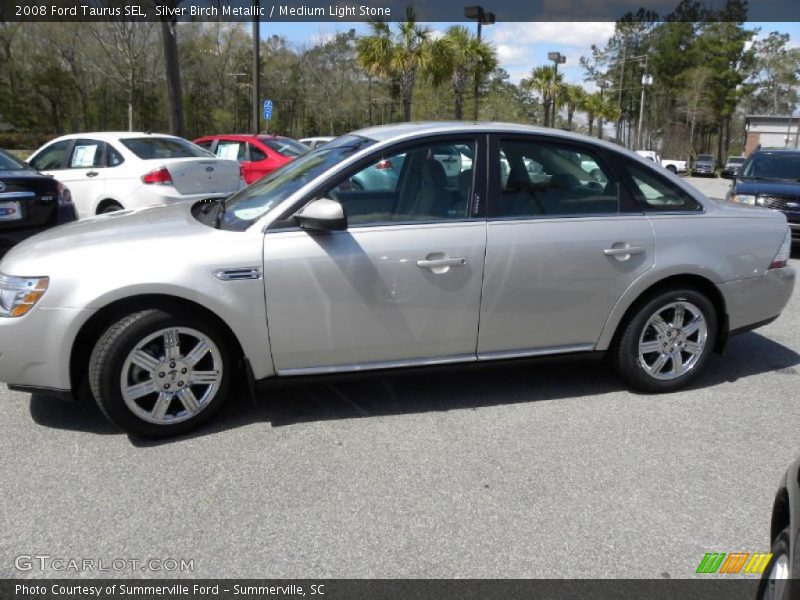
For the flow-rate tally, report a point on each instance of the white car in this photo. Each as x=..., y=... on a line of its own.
x=674, y=166
x=110, y=171
x=316, y=142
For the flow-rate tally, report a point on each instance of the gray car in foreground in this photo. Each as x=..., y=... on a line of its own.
x=158, y=312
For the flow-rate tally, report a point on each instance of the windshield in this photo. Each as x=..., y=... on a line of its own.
x=9, y=163
x=735, y=160
x=285, y=146
x=256, y=200
x=705, y=157
x=769, y=165
x=148, y=148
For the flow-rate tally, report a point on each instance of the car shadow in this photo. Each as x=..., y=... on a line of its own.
x=294, y=401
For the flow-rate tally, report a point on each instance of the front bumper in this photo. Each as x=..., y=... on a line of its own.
x=35, y=349
x=758, y=299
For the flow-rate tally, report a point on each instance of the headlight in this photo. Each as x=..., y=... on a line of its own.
x=746, y=199
x=19, y=294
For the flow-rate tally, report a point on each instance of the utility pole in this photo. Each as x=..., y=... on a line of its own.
x=621, y=84
x=256, y=70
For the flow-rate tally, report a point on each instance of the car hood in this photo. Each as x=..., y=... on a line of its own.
x=117, y=238
x=769, y=188
x=161, y=250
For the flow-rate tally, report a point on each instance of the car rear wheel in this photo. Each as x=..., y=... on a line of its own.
x=154, y=373
x=109, y=207
x=666, y=340
x=672, y=169
x=775, y=582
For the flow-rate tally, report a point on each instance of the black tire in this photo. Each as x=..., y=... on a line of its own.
x=626, y=352
x=767, y=585
x=118, y=341
x=672, y=169
x=109, y=208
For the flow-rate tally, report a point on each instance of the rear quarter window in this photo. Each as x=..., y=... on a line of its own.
x=655, y=194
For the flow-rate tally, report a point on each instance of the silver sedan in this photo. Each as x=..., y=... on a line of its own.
x=157, y=313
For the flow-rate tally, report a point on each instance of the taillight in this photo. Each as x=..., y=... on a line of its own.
x=158, y=176
x=64, y=195
x=383, y=164
x=783, y=252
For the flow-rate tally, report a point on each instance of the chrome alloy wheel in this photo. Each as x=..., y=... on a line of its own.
x=171, y=375
x=673, y=340
x=776, y=581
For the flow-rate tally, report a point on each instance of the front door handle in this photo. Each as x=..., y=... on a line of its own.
x=92, y=174
x=623, y=251
x=441, y=265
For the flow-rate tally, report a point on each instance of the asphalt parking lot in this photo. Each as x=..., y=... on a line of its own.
x=713, y=187
x=508, y=471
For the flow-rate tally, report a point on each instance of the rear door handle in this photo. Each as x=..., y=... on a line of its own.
x=623, y=252
x=92, y=174
x=442, y=262
x=441, y=265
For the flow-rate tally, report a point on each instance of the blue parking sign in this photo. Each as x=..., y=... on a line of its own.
x=267, y=110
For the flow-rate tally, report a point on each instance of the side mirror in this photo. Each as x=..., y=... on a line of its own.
x=323, y=214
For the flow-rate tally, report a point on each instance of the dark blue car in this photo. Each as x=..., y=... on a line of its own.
x=29, y=202
x=771, y=178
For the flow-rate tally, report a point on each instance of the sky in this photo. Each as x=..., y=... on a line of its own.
x=520, y=46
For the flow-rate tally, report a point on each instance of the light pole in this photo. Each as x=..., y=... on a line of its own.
x=483, y=18
x=646, y=80
x=558, y=59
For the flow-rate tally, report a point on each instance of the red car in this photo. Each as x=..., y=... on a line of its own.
x=257, y=154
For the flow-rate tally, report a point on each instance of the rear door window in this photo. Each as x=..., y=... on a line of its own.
x=548, y=179
x=86, y=154
x=232, y=150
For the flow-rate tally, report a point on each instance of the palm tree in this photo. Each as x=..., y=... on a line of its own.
x=546, y=83
x=609, y=111
x=404, y=55
x=571, y=96
x=469, y=58
x=592, y=105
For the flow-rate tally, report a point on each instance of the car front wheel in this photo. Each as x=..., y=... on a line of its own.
x=156, y=374
x=666, y=341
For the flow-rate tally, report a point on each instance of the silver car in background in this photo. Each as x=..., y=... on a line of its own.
x=156, y=313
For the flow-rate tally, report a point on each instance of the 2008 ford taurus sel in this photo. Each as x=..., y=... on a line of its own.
x=491, y=242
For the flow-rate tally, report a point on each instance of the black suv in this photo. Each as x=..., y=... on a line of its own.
x=771, y=178
x=29, y=202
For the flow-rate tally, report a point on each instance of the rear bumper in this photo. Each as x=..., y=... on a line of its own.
x=754, y=302
x=12, y=237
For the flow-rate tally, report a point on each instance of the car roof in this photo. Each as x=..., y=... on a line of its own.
x=399, y=131
x=245, y=137
x=777, y=151
x=108, y=136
